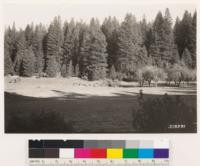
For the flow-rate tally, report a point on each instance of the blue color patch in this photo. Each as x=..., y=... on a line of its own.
x=145, y=153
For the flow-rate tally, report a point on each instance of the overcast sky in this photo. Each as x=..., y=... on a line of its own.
x=22, y=14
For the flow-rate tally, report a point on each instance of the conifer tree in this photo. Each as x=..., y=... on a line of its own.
x=177, y=35
x=84, y=51
x=28, y=63
x=97, y=59
x=29, y=33
x=38, y=47
x=184, y=27
x=131, y=53
x=8, y=66
x=147, y=34
x=158, y=43
x=193, y=39
x=53, y=48
x=186, y=58
x=51, y=68
x=110, y=29
x=11, y=40
x=168, y=39
x=68, y=47
x=21, y=46
x=162, y=49
x=112, y=73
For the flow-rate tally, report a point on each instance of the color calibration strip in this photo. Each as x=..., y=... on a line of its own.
x=99, y=149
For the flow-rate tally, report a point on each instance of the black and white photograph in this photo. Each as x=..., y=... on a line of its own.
x=100, y=68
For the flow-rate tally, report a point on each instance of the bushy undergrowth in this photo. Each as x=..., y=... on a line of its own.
x=40, y=122
x=160, y=113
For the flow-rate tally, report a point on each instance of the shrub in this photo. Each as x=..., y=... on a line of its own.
x=149, y=74
x=157, y=114
x=174, y=74
x=111, y=83
x=179, y=73
x=38, y=122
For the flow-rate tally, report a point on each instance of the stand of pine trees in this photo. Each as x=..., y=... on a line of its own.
x=96, y=51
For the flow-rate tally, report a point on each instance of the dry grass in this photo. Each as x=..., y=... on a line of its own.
x=49, y=87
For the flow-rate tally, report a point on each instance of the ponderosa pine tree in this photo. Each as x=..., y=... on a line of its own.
x=8, y=66
x=158, y=43
x=53, y=48
x=146, y=33
x=84, y=50
x=186, y=58
x=76, y=49
x=175, y=55
x=193, y=39
x=68, y=48
x=21, y=46
x=11, y=40
x=177, y=35
x=97, y=59
x=85, y=45
x=112, y=73
x=131, y=52
x=183, y=27
x=110, y=29
x=37, y=46
x=28, y=63
x=29, y=33
x=169, y=49
x=162, y=48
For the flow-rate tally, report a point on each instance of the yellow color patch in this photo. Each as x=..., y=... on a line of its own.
x=114, y=153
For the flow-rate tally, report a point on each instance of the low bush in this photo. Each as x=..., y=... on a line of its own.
x=179, y=73
x=38, y=122
x=149, y=74
x=157, y=114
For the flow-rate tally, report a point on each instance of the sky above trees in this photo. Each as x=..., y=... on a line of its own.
x=23, y=14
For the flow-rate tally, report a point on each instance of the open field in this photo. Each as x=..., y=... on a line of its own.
x=58, y=105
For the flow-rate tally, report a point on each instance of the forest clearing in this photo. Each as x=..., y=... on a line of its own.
x=61, y=105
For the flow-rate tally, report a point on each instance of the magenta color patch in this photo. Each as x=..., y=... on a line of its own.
x=82, y=153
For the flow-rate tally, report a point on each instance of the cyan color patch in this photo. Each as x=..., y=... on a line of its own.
x=145, y=153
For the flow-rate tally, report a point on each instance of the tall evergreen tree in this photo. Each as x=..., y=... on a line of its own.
x=11, y=40
x=38, y=47
x=68, y=47
x=163, y=47
x=193, y=39
x=177, y=35
x=29, y=33
x=28, y=63
x=131, y=53
x=53, y=48
x=168, y=38
x=184, y=27
x=97, y=62
x=147, y=35
x=8, y=66
x=186, y=58
x=21, y=46
x=84, y=50
x=110, y=29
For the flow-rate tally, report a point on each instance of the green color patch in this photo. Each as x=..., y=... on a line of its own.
x=130, y=153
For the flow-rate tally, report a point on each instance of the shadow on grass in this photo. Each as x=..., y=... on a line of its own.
x=77, y=113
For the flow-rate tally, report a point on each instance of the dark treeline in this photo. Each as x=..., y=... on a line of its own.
x=96, y=51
